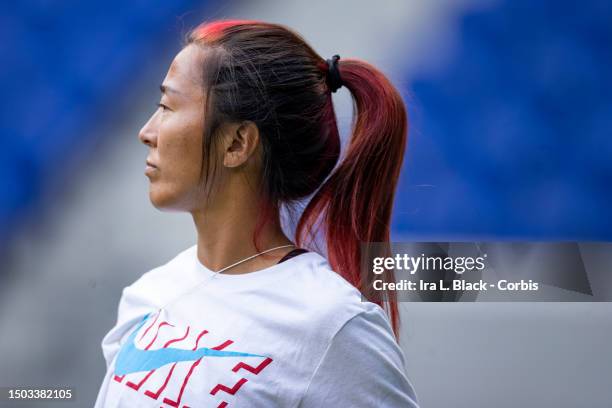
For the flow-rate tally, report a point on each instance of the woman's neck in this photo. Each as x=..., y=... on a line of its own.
x=225, y=236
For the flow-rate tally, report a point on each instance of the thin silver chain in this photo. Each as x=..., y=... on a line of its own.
x=251, y=257
x=207, y=280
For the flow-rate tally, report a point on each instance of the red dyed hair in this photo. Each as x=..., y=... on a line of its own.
x=357, y=200
x=268, y=74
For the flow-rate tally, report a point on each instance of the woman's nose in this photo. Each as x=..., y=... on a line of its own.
x=148, y=135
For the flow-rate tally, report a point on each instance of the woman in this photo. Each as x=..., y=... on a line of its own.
x=245, y=318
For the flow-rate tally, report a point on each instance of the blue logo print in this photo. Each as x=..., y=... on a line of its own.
x=132, y=359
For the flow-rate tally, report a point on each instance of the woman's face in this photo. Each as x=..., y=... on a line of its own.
x=174, y=135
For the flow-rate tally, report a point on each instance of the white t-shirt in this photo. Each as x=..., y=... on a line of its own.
x=295, y=334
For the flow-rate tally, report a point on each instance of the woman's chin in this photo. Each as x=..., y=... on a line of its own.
x=165, y=200
x=161, y=200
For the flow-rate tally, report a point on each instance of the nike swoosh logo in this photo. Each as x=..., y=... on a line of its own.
x=132, y=359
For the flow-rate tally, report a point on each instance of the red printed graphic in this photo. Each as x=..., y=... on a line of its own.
x=146, y=377
x=155, y=395
x=249, y=367
x=254, y=370
x=177, y=402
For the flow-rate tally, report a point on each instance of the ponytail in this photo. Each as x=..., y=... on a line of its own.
x=355, y=203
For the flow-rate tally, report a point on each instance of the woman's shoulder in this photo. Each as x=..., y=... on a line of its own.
x=317, y=277
x=167, y=272
x=363, y=366
x=163, y=280
x=142, y=297
x=325, y=293
x=356, y=331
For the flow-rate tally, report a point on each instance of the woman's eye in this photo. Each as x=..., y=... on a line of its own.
x=161, y=105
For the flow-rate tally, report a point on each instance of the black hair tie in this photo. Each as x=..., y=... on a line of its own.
x=334, y=81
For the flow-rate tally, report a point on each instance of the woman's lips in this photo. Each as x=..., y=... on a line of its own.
x=150, y=168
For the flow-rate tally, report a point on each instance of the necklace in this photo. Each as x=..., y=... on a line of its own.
x=251, y=257
x=214, y=275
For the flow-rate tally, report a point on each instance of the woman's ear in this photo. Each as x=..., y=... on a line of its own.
x=241, y=144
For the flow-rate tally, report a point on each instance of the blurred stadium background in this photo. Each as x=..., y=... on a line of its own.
x=510, y=113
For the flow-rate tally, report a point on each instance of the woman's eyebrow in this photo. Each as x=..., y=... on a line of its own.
x=166, y=89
